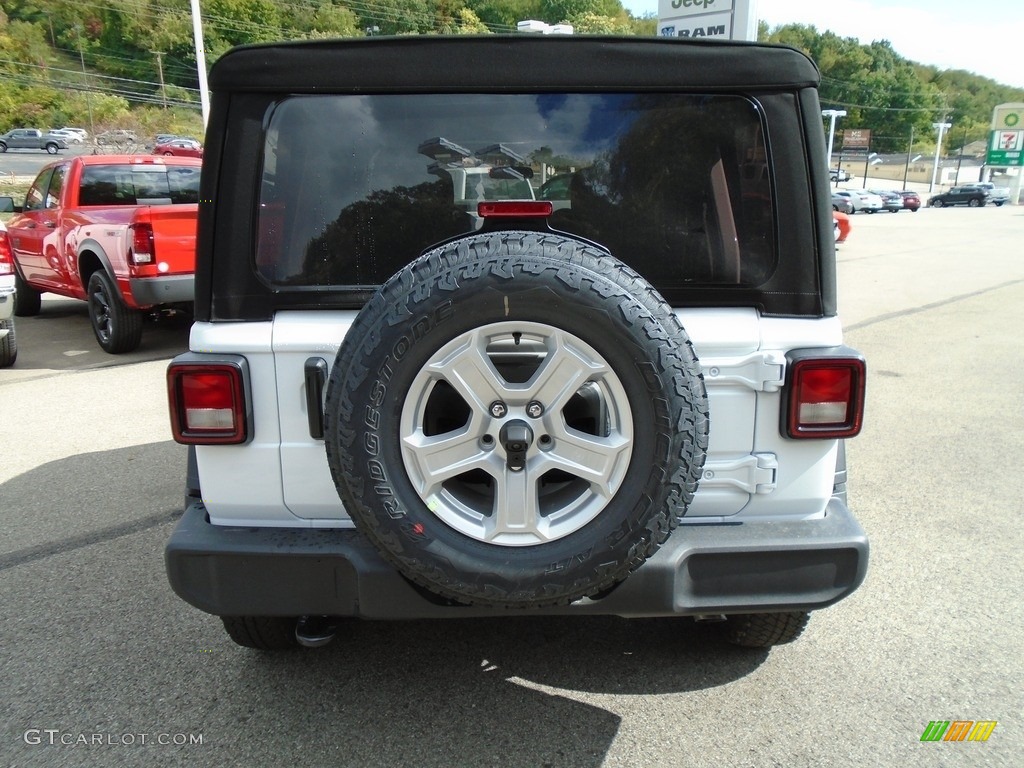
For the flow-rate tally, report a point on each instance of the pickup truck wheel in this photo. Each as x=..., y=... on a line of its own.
x=8, y=344
x=118, y=328
x=27, y=300
x=763, y=630
x=516, y=420
x=264, y=633
x=52, y=148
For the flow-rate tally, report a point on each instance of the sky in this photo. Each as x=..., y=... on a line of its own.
x=982, y=37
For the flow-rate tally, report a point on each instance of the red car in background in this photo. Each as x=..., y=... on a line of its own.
x=911, y=201
x=179, y=148
x=841, y=226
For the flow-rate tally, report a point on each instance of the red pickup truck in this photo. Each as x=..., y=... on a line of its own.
x=118, y=231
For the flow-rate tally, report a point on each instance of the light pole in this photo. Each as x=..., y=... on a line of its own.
x=204, y=88
x=906, y=171
x=941, y=128
x=832, y=114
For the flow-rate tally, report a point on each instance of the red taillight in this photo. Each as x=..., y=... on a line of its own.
x=142, y=244
x=826, y=397
x=6, y=259
x=208, y=405
x=515, y=209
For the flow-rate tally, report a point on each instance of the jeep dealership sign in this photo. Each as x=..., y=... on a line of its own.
x=725, y=19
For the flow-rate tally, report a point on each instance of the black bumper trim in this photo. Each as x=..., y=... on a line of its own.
x=173, y=289
x=702, y=569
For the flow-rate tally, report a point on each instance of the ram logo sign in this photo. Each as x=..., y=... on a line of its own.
x=710, y=30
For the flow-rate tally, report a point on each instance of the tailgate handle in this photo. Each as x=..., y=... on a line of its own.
x=315, y=371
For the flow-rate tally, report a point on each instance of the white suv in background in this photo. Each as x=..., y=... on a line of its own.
x=8, y=340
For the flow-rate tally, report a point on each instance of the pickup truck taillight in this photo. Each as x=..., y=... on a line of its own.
x=209, y=400
x=6, y=259
x=824, y=394
x=142, y=244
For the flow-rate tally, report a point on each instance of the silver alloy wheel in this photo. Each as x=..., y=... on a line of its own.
x=516, y=385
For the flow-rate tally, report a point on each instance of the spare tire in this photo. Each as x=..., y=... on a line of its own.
x=516, y=419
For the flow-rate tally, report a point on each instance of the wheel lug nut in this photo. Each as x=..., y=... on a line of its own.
x=498, y=409
x=534, y=409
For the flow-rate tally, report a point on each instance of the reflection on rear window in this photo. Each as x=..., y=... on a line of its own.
x=354, y=187
x=139, y=185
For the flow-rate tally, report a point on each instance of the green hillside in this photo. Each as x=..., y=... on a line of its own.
x=132, y=63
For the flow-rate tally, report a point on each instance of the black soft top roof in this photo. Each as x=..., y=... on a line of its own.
x=514, y=62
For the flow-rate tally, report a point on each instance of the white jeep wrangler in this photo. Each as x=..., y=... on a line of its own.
x=631, y=400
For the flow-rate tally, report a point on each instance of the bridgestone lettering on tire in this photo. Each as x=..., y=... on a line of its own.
x=516, y=419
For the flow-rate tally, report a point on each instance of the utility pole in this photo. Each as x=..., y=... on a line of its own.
x=910, y=149
x=85, y=78
x=960, y=157
x=941, y=128
x=160, y=67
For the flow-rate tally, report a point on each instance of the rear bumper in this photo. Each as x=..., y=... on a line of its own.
x=173, y=289
x=702, y=569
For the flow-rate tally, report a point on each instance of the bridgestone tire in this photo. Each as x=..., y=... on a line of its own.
x=27, y=300
x=511, y=331
x=8, y=344
x=264, y=633
x=117, y=326
x=763, y=630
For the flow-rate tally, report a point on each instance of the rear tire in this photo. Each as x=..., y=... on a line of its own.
x=27, y=300
x=117, y=326
x=8, y=344
x=264, y=633
x=763, y=630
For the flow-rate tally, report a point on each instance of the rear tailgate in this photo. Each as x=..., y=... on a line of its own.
x=174, y=237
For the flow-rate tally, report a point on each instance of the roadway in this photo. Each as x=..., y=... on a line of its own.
x=98, y=651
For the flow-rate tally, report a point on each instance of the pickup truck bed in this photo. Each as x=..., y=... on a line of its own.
x=117, y=231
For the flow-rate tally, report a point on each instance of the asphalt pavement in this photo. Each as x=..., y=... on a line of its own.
x=103, y=666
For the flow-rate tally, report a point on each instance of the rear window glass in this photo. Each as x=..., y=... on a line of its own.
x=139, y=185
x=354, y=187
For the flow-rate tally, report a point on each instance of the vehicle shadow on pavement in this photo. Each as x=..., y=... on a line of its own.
x=100, y=496
x=61, y=338
x=597, y=654
x=480, y=691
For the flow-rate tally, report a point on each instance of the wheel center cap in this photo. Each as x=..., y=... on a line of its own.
x=516, y=437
